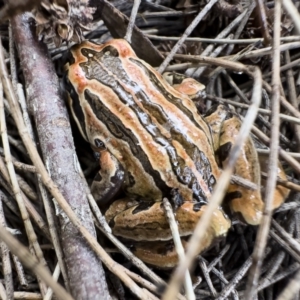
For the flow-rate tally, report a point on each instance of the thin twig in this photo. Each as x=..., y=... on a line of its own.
x=179, y=248
x=294, y=38
x=196, y=72
x=55, y=276
x=20, y=271
x=235, y=280
x=293, y=12
x=187, y=32
x=291, y=289
x=16, y=189
x=3, y=294
x=54, y=233
x=31, y=263
x=130, y=26
x=6, y=263
x=263, y=21
x=260, y=110
x=263, y=230
x=292, y=94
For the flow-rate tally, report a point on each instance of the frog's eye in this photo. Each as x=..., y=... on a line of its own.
x=99, y=144
x=110, y=51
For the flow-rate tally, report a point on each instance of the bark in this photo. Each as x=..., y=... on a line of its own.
x=86, y=275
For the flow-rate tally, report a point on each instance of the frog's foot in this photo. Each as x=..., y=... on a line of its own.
x=146, y=221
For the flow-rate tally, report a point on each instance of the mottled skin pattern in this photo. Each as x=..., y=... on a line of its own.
x=153, y=143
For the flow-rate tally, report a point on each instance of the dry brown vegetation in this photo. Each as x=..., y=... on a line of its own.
x=242, y=51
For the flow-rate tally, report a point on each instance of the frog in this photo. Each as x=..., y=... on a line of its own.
x=153, y=143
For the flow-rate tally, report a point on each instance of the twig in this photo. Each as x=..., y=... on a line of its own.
x=292, y=94
x=260, y=110
x=54, y=233
x=275, y=264
x=55, y=277
x=295, y=112
x=293, y=12
x=283, y=154
x=235, y=280
x=220, y=40
x=287, y=184
x=187, y=32
x=20, y=271
x=6, y=263
x=291, y=289
x=15, y=186
x=268, y=50
x=31, y=263
x=287, y=237
x=130, y=26
x=30, y=208
x=243, y=182
x=179, y=248
x=27, y=296
x=196, y=72
x=245, y=99
x=263, y=21
x=263, y=230
x=3, y=294
x=241, y=26
x=285, y=245
x=205, y=272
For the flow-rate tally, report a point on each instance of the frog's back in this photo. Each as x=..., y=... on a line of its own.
x=154, y=131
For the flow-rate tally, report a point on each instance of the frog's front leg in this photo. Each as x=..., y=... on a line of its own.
x=108, y=180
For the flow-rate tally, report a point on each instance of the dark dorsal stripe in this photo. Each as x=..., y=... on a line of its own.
x=114, y=125
x=202, y=163
x=94, y=70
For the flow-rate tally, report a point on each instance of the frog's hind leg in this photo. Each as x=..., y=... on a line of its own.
x=245, y=202
x=242, y=201
x=146, y=221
